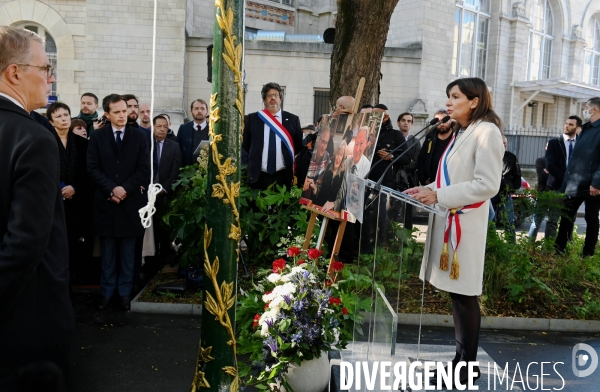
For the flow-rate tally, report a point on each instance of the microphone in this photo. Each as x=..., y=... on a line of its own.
x=380, y=180
x=434, y=121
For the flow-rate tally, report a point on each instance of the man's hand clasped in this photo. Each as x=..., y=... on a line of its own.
x=118, y=195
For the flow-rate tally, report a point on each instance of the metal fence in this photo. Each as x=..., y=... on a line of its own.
x=528, y=144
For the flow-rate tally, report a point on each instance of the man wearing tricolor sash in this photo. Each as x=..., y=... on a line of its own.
x=272, y=138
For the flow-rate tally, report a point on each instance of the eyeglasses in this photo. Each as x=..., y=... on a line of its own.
x=48, y=68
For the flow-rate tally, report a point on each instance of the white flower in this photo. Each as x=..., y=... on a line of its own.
x=274, y=278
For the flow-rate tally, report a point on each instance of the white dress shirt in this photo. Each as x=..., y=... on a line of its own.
x=567, y=142
x=279, y=162
x=12, y=100
x=199, y=127
x=115, y=132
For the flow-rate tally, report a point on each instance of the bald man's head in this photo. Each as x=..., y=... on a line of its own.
x=344, y=104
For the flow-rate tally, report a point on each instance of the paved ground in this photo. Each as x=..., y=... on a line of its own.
x=131, y=352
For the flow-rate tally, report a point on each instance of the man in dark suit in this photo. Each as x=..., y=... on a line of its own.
x=581, y=182
x=36, y=316
x=191, y=134
x=167, y=161
x=119, y=166
x=269, y=160
x=556, y=158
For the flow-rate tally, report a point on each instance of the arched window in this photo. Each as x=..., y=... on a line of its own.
x=471, y=30
x=591, y=66
x=541, y=39
x=50, y=45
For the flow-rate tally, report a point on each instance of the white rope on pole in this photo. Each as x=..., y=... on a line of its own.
x=148, y=211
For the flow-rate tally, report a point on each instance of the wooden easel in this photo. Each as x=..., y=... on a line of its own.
x=332, y=214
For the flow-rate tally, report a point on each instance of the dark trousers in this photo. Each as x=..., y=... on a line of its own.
x=567, y=220
x=109, y=281
x=467, y=325
x=265, y=179
x=346, y=253
x=376, y=224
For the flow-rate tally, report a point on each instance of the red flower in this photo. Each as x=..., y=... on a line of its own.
x=335, y=301
x=345, y=311
x=256, y=318
x=294, y=251
x=337, y=266
x=266, y=306
x=328, y=282
x=278, y=266
x=314, y=253
x=300, y=262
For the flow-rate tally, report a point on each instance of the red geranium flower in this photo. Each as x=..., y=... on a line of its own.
x=256, y=318
x=337, y=266
x=345, y=311
x=294, y=251
x=300, y=262
x=314, y=253
x=335, y=301
x=278, y=265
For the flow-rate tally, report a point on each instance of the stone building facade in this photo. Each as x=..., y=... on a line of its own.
x=540, y=58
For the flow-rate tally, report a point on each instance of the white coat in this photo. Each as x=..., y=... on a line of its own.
x=475, y=169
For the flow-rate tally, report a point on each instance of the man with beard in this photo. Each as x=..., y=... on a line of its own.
x=272, y=138
x=191, y=134
x=433, y=148
x=89, y=113
x=557, y=155
x=133, y=113
x=145, y=123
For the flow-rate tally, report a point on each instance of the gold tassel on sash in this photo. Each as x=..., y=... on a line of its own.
x=444, y=258
x=455, y=269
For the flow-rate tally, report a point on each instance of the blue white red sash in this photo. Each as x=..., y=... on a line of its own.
x=452, y=229
x=279, y=130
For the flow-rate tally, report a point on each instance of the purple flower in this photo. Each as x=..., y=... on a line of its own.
x=271, y=343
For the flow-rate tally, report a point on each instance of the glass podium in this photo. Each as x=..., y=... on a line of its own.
x=385, y=254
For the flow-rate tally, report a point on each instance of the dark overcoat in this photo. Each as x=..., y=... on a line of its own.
x=109, y=167
x=36, y=316
x=254, y=139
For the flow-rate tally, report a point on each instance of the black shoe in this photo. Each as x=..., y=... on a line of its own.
x=104, y=304
x=126, y=302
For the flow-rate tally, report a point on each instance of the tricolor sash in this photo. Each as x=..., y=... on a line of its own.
x=279, y=130
x=452, y=230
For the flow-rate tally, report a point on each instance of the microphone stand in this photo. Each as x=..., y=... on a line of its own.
x=377, y=186
x=432, y=122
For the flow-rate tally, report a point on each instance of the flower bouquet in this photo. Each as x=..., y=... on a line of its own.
x=296, y=312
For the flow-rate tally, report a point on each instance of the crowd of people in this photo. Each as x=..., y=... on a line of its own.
x=71, y=179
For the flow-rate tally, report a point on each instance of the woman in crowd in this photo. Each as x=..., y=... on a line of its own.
x=72, y=150
x=78, y=127
x=332, y=178
x=468, y=176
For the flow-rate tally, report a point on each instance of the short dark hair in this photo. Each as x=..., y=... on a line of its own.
x=441, y=111
x=406, y=114
x=577, y=120
x=198, y=100
x=380, y=106
x=77, y=122
x=270, y=86
x=366, y=106
x=54, y=107
x=158, y=117
x=167, y=116
x=476, y=88
x=128, y=97
x=91, y=96
x=112, y=98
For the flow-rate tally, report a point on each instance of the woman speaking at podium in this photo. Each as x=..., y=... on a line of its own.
x=468, y=176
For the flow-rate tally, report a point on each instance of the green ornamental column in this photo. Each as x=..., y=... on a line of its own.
x=216, y=367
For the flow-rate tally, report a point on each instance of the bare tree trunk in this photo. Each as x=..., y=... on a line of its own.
x=360, y=34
